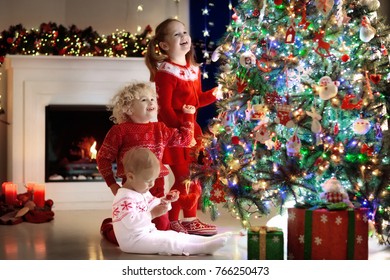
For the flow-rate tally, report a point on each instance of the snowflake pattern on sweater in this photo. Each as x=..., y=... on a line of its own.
x=155, y=136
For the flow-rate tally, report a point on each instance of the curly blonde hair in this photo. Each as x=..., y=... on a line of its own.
x=123, y=100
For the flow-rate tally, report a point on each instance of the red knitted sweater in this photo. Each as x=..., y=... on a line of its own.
x=177, y=85
x=155, y=136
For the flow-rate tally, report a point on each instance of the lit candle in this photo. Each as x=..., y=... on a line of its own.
x=39, y=195
x=3, y=187
x=10, y=193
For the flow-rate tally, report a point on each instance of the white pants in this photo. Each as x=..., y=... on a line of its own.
x=163, y=242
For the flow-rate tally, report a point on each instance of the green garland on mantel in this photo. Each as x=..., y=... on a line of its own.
x=53, y=39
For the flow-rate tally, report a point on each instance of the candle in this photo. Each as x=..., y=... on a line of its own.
x=39, y=195
x=3, y=187
x=10, y=191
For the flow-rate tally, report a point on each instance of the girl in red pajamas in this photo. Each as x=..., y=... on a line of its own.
x=170, y=59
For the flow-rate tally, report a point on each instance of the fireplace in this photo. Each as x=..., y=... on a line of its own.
x=36, y=83
x=74, y=133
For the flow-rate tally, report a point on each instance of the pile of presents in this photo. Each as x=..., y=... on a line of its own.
x=331, y=228
x=314, y=233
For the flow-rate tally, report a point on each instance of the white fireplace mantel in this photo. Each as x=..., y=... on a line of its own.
x=33, y=82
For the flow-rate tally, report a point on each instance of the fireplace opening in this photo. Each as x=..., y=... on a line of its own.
x=74, y=134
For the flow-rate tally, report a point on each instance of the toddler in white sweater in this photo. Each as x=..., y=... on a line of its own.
x=134, y=207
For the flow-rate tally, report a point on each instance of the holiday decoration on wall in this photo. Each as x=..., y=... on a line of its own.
x=53, y=39
x=29, y=206
x=317, y=115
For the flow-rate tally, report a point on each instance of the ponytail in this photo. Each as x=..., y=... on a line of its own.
x=153, y=57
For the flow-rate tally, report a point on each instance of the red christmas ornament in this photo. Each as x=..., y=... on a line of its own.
x=263, y=64
x=256, y=13
x=345, y=58
x=241, y=85
x=336, y=129
x=273, y=98
x=290, y=35
x=278, y=2
x=347, y=103
x=384, y=50
x=375, y=78
x=367, y=150
x=235, y=140
x=321, y=44
x=217, y=194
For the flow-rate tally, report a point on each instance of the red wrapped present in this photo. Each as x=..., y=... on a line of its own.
x=322, y=234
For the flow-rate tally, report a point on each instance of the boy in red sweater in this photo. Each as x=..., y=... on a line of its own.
x=134, y=112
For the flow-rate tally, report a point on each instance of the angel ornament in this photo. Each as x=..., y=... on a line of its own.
x=315, y=124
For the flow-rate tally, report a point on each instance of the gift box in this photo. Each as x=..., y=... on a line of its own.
x=322, y=234
x=265, y=243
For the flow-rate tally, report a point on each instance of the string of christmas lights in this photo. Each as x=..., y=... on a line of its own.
x=53, y=39
x=305, y=99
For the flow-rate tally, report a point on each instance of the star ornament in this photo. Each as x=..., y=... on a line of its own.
x=206, y=33
x=205, y=11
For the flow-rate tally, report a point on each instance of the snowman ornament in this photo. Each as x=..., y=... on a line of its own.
x=327, y=88
x=366, y=31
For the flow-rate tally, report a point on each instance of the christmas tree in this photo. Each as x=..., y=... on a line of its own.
x=305, y=102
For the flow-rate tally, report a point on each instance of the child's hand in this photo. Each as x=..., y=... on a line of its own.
x=114, y=188
x=189, y=109
x=160, y=209
x=218, y=93
x=193, y=143
x=172, y=196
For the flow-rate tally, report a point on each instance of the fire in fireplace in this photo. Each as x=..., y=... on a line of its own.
x=74, y=134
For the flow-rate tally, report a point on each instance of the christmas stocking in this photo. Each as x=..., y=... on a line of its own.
x=284, y=115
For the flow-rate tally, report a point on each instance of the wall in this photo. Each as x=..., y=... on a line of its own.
x=103, y=16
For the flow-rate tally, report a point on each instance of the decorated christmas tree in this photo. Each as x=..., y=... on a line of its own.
x=305, y=105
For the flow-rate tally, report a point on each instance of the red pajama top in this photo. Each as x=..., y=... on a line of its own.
x=154, y=135
x=176, y=86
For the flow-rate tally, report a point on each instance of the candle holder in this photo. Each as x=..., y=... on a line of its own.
x=30, y=206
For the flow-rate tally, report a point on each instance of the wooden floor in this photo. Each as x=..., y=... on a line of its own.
x=74, y=235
